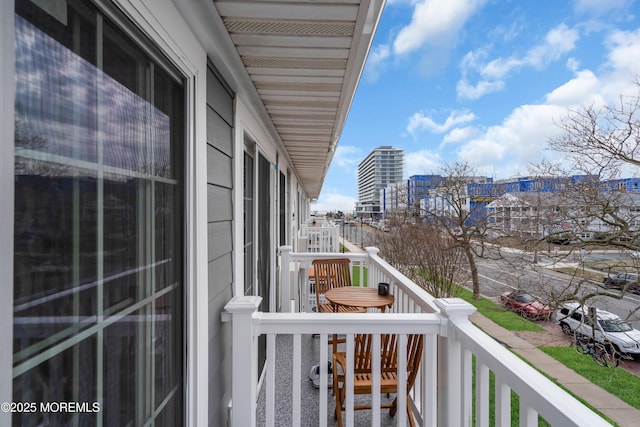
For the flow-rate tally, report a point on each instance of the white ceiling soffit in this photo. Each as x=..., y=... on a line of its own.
x=305, y=59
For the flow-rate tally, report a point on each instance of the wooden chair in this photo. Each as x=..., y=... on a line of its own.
x=363, y=379
x=329, y=274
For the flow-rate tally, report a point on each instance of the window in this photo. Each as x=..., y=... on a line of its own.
x=98, y=284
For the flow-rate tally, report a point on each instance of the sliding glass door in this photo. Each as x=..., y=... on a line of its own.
x=98, y=284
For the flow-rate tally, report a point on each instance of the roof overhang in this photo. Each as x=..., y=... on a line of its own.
x=305, y=59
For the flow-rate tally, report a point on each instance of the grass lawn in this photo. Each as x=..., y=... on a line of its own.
x=616, y=381
x=500, y=315
x=355, y=275
x=515, y=403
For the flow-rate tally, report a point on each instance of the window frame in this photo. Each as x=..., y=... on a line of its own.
x=7, y=153
x=175, y=39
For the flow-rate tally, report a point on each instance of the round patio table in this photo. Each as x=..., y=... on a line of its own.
x=355, y=296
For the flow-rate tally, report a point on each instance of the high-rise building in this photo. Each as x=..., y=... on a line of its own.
x=384, y=165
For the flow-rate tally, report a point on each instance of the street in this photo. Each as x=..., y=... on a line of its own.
x=497, y=276
x=513, y=271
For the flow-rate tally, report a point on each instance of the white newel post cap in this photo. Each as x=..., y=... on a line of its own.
x=285, y=249
x=372, y=250
x=455, y=308
x=243, y=304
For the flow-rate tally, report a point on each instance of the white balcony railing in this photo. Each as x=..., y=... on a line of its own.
x=443, y=394
x=325, y=238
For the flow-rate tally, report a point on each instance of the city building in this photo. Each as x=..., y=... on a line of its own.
x=383, y=166
x=403, y=197
x=565, y=217
x=469, y=192
x=393, y=199
x=419, y=186
x=530, y=205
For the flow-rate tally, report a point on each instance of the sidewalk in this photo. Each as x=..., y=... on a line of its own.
x=615, y=409
x=351, y=247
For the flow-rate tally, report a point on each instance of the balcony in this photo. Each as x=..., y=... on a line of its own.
x=318, y=236
x=458, y=364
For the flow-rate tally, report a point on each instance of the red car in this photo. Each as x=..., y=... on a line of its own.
x=525, y=305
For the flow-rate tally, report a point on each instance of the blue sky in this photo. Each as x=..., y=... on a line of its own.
x=482, y=81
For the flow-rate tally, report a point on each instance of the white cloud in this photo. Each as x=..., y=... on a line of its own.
x=464, y=90
x=624, y=51
x=573, y=64
x=581, y=90
x=334, y=201
x=499, y=68
x=434, y=22
x=460, y=134
x=375, y=62
x=521, y=139
x=510, y=148
x=418, y=121
x=598, y=7
x=558, y=41
x=483, y=154
x=347, y=157
x=473, y=59
x=422, y=162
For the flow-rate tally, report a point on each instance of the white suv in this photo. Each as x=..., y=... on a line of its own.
x=576, y=319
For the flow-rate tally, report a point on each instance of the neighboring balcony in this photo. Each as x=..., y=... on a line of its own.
x=319, y=236
x=452, y=388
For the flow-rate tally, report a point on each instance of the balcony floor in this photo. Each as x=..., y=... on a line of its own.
x=310, y=395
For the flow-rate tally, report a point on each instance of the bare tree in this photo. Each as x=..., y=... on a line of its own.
x=590, y=207
x=462, y=216
x=426, y=254
x=601, y=139
x=604, y=143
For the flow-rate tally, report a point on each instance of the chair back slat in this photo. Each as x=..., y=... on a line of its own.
x=388, y=353
x=330, y=273
x=415, y=344
x=362, y=353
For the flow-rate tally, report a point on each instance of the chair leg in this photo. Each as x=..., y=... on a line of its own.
x=394, y=407
x=412, y=422
x=338, y=412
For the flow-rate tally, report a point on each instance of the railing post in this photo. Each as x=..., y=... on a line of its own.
x=244, y=364
x=285, y=279
x=373, y=273
x=455, y=311
x=335, y=239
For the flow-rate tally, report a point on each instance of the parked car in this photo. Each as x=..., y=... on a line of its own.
x=607, y=328
x=620, y=280
x=525, y=305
